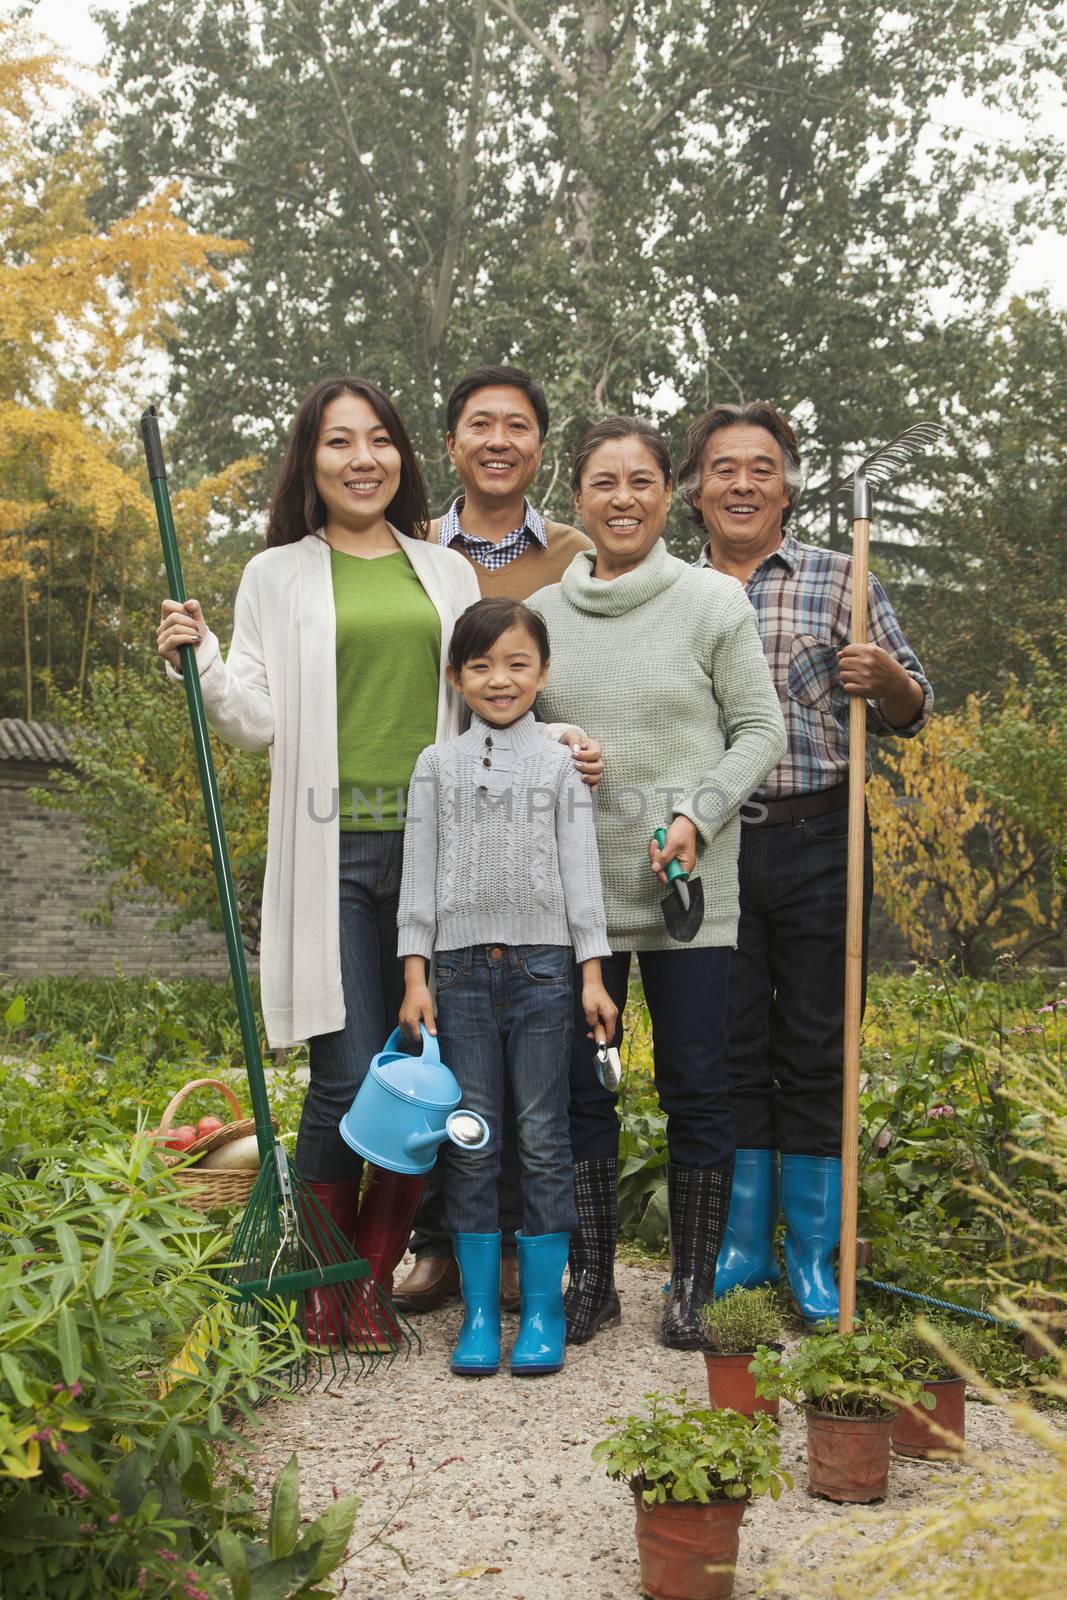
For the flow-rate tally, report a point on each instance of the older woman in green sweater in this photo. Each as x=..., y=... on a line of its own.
x=662, y=663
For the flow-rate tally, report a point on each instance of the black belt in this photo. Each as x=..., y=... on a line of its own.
x=794, y=808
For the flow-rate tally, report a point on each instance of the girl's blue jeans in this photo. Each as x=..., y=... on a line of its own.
x=506, y=1010
x=372, y=978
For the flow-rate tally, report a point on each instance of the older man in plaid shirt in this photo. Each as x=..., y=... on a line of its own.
x=743, y=475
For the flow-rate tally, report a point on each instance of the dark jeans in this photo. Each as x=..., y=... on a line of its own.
x=787, y=985
x=372, y=976
x=686, y=992
x=431, y=1237
x=504, y=1012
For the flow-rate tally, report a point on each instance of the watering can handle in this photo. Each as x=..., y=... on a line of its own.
x=431, y=1050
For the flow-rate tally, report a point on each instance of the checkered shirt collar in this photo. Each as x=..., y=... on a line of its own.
x=451, y=528
x=789, y=553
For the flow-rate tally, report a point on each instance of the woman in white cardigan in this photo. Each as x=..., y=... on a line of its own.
x=340, y=636
x=336, y=666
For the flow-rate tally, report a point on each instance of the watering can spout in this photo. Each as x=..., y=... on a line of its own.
x=465, y=1128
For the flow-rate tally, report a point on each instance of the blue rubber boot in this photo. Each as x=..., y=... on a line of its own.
x=747, y=1259
x=542, y=1328
x=477, y=1352
x=811, y=1200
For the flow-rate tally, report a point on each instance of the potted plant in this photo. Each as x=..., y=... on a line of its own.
x=850, y=1386
x=742, y=1322
x=939, y=1431
x=692, y=1471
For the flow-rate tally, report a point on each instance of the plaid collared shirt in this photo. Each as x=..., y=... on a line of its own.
x=490, y=553
x=801, y=598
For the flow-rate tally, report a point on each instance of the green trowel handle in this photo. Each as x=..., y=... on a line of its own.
x=674, y=868
x=157, y=473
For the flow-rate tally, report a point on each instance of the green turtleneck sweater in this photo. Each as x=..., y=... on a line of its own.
x=664, y=666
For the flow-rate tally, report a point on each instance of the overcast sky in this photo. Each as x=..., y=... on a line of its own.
x=70, y=24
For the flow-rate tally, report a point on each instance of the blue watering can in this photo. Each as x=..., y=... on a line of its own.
x=406, y=1106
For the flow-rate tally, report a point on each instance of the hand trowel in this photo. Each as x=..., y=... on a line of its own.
x=683, y=904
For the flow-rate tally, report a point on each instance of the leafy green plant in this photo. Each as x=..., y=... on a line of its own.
x=859, y=1374
x=122, y=1374
x=51, y=1079
x=183, y=1019
x=742, y=1320
x=289, y=1562
x=924, y=1362
x=692, y=1453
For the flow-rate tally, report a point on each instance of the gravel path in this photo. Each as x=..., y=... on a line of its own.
x=485, y=1488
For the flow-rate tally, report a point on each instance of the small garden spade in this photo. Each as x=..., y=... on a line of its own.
x=683, y=904
x=292, y=1265
x=876, y=469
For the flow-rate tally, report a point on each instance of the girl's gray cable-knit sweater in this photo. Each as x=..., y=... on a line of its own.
x=664, y=666
x=500, y=847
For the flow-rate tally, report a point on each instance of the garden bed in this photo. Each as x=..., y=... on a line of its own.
x=503, y=1500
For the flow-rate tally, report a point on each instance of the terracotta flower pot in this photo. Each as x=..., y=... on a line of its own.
x=923, y=1434
x=848, y=1457
x=678, y=1541
x=731, y=1385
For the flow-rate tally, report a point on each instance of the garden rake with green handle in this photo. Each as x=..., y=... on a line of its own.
x=876, y=469
x=291, y=1263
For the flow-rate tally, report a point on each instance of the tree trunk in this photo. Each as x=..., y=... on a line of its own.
x=89, y=600
x=120, y=639
x=27, y=659
x=593, y=87
x=48, y=620
x=459, y=218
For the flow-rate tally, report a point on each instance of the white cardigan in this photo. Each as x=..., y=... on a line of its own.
x=277, y=690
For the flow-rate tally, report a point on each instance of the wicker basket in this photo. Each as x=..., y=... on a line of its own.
x=206, y=1189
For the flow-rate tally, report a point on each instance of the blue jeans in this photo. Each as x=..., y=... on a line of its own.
x=506, y=1011
x=372, y=978
x=686, y=994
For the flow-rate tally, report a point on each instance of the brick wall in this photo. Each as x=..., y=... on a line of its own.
x=44, y=889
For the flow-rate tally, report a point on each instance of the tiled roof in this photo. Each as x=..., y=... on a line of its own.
x=33, y=741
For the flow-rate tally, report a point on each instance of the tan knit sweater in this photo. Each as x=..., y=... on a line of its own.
x=534, y=569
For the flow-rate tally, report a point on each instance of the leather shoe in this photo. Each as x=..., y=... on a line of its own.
x=431, y=1282
x=509, y=1283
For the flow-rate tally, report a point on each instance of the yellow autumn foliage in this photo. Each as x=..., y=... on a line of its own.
x=954, y=872
x=81, y=311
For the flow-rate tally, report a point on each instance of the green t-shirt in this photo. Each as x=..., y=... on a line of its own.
x=388, y=670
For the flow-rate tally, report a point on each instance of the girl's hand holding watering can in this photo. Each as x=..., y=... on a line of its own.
x=417, y=1008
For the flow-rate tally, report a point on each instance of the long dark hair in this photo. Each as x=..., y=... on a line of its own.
x=297, y=508
x=621, y=428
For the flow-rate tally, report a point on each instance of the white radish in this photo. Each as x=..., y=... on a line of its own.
x=241, y=1155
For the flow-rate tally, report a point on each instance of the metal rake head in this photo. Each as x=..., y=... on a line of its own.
x=881, y=464
x=293, y=1270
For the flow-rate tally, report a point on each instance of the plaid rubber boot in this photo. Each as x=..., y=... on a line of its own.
x=698, y=1202
x=591, y=1301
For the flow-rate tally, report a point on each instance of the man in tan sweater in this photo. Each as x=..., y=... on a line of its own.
x=497, y=418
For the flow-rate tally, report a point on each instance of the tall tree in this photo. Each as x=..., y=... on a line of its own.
x=719, y=199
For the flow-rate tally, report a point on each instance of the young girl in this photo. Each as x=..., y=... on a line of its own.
x=501, y=883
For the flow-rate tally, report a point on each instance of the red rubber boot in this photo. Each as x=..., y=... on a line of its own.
x=390, y=1202
x=381, y=1237
x=324, y=1317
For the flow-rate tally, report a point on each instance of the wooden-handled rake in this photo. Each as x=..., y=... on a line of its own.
x=875, y=469
x=292, y=1266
